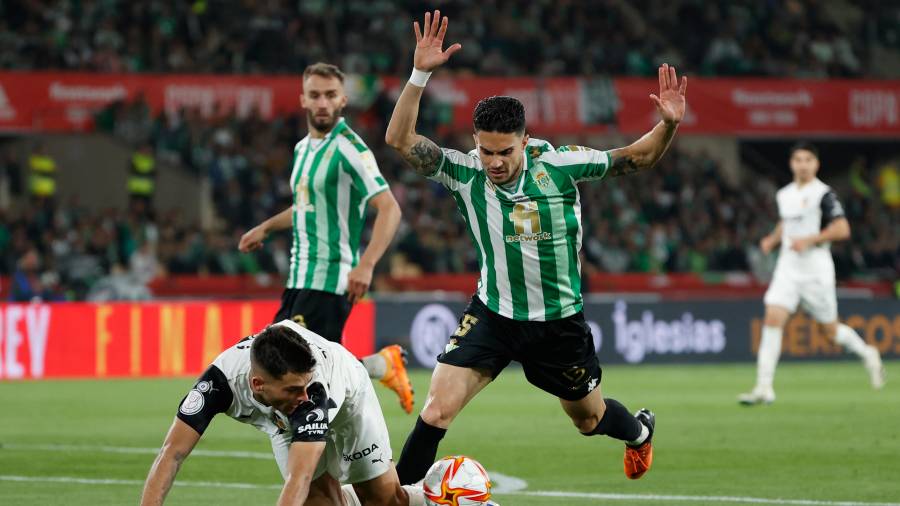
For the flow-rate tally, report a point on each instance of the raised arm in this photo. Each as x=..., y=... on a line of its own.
x=179, y=442
x=420, y=152
x=646, y=151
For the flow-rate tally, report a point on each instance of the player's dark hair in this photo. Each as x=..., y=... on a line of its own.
x=504, y=115
x=805, y=146
x=322, y=69
x=279, y=350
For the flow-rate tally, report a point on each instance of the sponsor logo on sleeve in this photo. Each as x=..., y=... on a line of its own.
x=193, y=403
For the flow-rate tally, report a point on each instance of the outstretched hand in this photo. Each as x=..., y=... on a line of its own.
x=670, y=101
x=429, y=43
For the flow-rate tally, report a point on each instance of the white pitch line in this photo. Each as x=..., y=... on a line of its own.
x=108, y=481
x=570, y=495
x=132, y=450
x=505, y=484
x=697, y=498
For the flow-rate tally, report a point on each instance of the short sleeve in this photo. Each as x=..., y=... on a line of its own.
x=363, y=168
x=210, y=396
x=455, y=169
x=579, y=162
x=831, y=208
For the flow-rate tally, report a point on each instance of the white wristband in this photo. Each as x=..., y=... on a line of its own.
x=419, y=78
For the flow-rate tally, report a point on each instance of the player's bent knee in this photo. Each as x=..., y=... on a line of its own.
x=586, y=425
x=830, y=329
x=776, y=316
x=438, y=414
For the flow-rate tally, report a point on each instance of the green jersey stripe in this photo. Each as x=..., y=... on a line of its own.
x=311, y=227
x=474, y=231
x=476, y=211
x=550, y=279
x=573, y=223
x=295, y=249
x=349, y=244
x=334, y=232
x=496, y=219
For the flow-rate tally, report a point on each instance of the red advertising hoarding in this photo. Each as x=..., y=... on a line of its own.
x=139, y=339
x=48, y=101
x=51, y=102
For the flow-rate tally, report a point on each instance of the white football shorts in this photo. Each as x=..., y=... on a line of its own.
x=816, y=296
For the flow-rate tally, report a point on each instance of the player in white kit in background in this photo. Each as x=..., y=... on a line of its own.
x=317, y=405
x=810, y=218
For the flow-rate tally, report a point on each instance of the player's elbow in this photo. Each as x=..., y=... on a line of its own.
x=843, y=230
x=394, y=139
x=400, y=140
x=172, y=452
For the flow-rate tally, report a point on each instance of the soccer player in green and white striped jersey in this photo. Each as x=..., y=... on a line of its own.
x=334, y=176
x=519, y=198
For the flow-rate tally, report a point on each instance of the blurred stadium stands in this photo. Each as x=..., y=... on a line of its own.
x=799, y=38
x=702, y=210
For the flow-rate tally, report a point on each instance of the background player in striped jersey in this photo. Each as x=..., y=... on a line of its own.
x=520, y=200
x=811, y=217
x=334, y=176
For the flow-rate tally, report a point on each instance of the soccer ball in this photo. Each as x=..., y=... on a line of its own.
x=457, y=481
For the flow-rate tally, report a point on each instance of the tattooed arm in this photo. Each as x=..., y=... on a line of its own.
x=423, y=154
x=646, y=151
x=642, y=153
x=419, y=151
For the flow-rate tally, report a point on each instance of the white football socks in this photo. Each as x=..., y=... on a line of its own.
x=645, y=433
x=416, y=495
x=376, y=366
x=849, y=339
x=350, y=496
x=767, y=358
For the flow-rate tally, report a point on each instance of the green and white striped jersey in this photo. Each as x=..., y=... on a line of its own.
x=528, y=238
x=332, y=179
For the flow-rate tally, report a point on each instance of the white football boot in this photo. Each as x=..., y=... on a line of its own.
x=757, y=396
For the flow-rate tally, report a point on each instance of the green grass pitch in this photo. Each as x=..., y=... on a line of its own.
x=829, y=437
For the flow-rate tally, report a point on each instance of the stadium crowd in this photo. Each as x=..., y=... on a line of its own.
x=681, y=217
x=800, y=38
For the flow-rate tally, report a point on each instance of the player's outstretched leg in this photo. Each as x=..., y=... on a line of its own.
x=452, y=387
x=594, y=415
x=389, y=367
x=852, y=342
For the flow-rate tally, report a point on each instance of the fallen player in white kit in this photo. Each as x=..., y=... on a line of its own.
x=811, y=217
x=314, y=400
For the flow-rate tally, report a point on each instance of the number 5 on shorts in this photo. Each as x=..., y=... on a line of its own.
x=466, y=325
